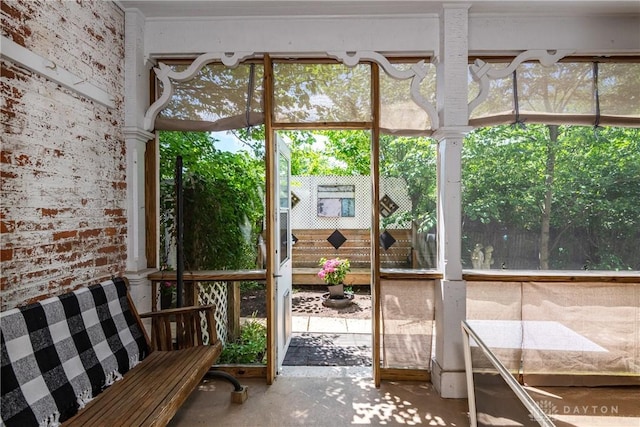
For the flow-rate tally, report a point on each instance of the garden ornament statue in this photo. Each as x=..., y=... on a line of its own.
x=488, y=257
x=477, y=257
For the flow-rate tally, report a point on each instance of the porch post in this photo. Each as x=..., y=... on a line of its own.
x=450, y=306
x=136, y=101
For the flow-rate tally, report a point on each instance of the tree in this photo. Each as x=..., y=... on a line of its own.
x=598, y=179
x=549, y=176
x=575, y=187
x=414, y=160
x=222, y=201
x=329, y=152
x=546, y=94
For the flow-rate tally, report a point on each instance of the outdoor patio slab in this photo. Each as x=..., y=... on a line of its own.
x=327, y=371
x=300, y=323
x=328, y=349
x=359, y=326
x=327, y=324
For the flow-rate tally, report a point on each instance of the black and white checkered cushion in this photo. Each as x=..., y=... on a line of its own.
x=59, y=353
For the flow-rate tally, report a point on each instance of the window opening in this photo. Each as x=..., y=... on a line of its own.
x=549, y=197
x=336, y=200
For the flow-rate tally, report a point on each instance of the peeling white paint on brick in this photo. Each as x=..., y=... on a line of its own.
x=63, y=156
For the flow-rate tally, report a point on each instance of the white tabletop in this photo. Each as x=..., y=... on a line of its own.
x=531, y=335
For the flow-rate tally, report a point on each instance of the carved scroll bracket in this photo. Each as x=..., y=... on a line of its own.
x=483, y=72
x=167, y=76
x=417, y=72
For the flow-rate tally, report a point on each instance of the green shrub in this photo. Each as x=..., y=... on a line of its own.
x=250, y=348
x=251, y=286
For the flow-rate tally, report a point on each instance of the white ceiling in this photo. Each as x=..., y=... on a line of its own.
x=190, y=8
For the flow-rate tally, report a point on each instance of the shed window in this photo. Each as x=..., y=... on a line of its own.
x=337, y=200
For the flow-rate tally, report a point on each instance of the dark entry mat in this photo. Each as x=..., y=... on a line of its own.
x=308, y=349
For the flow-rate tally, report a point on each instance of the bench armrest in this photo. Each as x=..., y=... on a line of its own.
x=191, y=323
x=169, y=311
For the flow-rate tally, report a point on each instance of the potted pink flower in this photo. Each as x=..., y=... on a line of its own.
x=333, y=272
x=167, y=294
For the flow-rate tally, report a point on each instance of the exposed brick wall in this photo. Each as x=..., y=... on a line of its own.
x=63, y=212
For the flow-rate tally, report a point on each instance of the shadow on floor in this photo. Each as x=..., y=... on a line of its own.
x=321, y=401
x=329, y=349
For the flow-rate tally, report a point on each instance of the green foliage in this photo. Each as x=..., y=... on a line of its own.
x=250, y=348
x=414, y=160
x=330, y=152
x=251, y=285
x=594, y=188
x=253, y=138
x=223, y=207
x=352, y=148
x=503, y=175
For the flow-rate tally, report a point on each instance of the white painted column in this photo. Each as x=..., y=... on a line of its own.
x=448, y=374
x=136, y=102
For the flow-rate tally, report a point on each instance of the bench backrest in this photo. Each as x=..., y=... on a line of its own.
x=57, y=354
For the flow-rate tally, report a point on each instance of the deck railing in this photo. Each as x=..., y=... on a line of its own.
x=220, y=287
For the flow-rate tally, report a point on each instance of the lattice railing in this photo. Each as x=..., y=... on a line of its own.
x=221, y=288
x=214, y=293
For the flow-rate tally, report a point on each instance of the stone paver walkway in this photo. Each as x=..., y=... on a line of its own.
x=329, y=341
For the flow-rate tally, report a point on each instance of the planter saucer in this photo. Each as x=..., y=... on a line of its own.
x=337, y=302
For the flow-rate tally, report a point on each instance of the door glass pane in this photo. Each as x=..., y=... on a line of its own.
x=283, y=171
x=283, y=196
x=285, y=238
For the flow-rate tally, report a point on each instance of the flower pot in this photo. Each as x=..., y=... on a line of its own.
x=166, y=300
x=336, y=291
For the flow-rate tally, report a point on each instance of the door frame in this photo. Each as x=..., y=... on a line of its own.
x=270, y=213
x=272, y=202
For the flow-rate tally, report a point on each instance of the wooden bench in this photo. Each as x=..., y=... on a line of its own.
x=84, y=358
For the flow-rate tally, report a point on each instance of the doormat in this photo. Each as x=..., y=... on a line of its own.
x=314, y=349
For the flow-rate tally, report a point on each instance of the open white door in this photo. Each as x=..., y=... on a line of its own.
x=283, y=271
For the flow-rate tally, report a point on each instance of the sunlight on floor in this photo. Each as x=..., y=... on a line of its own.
x=323, y=401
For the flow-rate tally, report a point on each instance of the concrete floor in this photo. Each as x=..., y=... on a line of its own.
x=330, y=396
x=342, y=396
x=335, y=396
x=319, y=396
